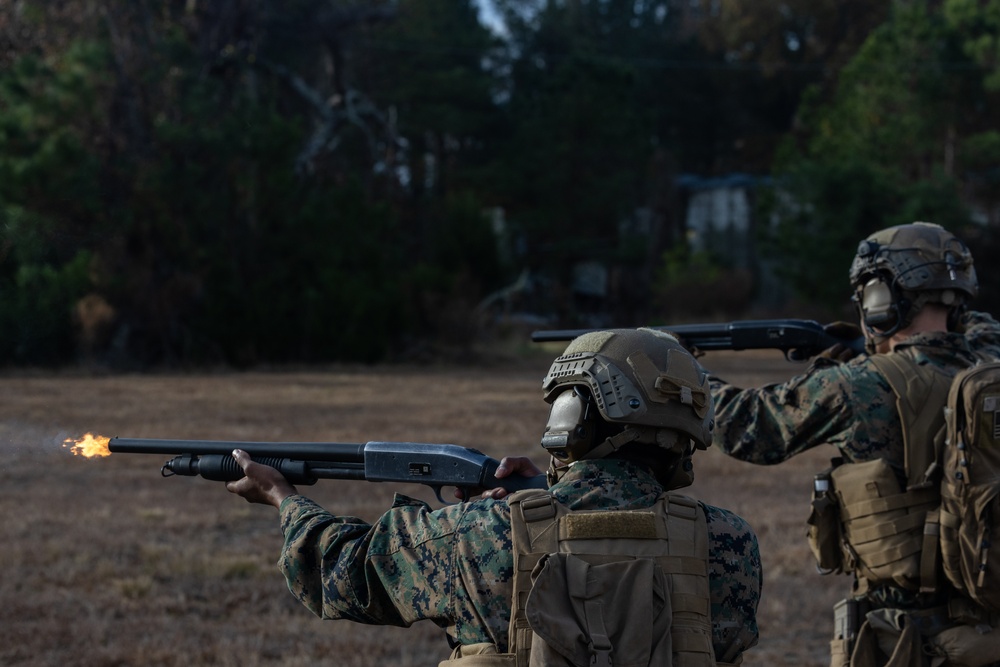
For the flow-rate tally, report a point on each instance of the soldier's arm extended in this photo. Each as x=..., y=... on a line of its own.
x=849, y=406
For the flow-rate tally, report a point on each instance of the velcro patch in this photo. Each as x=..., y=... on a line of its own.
x=608, y=525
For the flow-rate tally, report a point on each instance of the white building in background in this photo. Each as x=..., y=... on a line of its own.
x=720, y=219
x=718, y=216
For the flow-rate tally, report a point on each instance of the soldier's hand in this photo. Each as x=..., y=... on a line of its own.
x=695, y=352
x=509, y=465
x=262, y=484
x=512, y=465
x=837, y=352
x=846, y=331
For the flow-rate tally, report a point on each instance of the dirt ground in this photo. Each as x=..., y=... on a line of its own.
x=106, y=563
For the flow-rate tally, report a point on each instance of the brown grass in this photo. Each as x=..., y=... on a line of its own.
x=105, y=563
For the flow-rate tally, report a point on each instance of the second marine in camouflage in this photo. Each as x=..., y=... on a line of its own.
x=911, y=285
x=456, y=566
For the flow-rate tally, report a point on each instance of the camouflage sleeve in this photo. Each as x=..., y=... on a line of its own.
x=735, y=579
x=848, y=405
x=452, y=566
x=981, y=330
x=342, y=567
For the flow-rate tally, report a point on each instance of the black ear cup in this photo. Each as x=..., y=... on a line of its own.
x=883, y=308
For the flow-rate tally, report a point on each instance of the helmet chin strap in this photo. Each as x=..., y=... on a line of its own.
x=671, y=464
x=650, y=435
x=615, y=442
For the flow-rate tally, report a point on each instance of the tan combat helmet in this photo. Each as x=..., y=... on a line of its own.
x=898, y=270
x=612, y=388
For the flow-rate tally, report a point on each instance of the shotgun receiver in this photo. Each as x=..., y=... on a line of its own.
x=434, y=465
x=798, y=339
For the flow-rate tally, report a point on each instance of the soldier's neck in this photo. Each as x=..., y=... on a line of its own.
x=929, y=319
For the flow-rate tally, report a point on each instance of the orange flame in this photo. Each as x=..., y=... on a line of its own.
x=89, y=445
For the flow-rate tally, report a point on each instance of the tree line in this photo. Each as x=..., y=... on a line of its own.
x=248, y=181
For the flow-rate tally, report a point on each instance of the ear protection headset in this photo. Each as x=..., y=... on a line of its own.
x=571, y=429
x=883, y=302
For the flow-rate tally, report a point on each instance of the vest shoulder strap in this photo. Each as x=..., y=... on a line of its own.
x=921, y=393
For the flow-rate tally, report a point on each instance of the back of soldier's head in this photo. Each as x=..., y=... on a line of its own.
x=898, y=270
x=635, y=390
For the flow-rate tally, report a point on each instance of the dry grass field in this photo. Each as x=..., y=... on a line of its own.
x=105, y=563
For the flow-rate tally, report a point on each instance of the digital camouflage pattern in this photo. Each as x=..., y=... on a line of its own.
x=454, y=565
x=848, y=405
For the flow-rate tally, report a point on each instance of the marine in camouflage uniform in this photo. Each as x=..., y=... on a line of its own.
x=627, y=437
x=848, y=405
x=454, y=565
x=911, y=285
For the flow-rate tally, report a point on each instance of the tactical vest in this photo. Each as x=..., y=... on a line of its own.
x=605, y=588
x=866, y=522
x=890, y=532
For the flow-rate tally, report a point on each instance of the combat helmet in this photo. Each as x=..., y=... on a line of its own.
x=613, y=388
x=899, y=269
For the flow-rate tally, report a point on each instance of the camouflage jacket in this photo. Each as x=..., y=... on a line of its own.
x=454, y=565
x=848, y=405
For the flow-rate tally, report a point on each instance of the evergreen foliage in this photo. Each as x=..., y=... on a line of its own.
x=884, y=146
x=308, y=181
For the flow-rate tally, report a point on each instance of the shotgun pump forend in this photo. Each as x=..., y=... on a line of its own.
x=434, y=465
x=798, y=339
